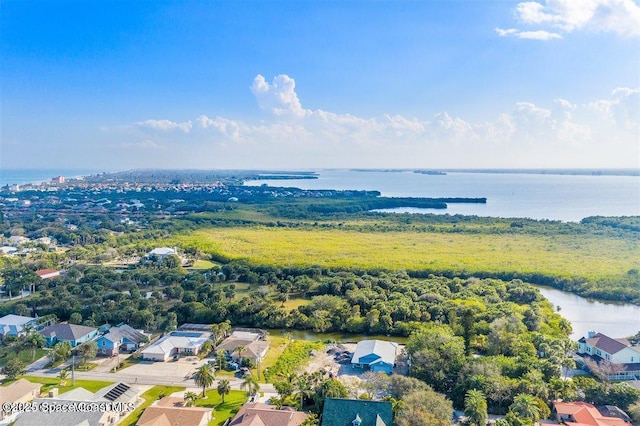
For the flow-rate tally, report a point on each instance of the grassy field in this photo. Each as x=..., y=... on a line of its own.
x=564, y=256
x=277, y=345
x=202, y=264
x=295, y=303
x=53, y=382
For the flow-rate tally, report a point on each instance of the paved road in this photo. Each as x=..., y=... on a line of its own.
x=123, y=376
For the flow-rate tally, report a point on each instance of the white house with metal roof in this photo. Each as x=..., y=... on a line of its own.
x=13, y=325
x=162, y=252
x=376, y=355
x=178, y=342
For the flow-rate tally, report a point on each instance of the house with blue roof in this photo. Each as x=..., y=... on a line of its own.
x=375, y=355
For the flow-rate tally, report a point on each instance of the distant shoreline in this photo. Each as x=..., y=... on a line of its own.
x=38, y=176
x=10, y=177
x=567, y=172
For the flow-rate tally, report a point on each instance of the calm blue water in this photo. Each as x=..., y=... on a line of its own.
x=23, y=176
x=611, y=318
x=569, y=198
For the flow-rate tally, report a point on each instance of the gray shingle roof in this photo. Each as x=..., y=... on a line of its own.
x=67, y=331
x=116, y=334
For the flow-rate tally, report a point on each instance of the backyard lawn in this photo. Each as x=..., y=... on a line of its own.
x=24, y=355
x=232, y=403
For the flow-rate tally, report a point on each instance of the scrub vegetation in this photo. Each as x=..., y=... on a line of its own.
x=598, y=258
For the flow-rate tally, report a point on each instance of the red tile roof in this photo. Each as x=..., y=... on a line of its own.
x=586, y=414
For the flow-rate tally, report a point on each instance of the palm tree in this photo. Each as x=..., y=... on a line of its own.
x=525, y=407
x=62, y=350
x=87, y=350
x=304, y=385
x=221, y=359
x=190, y=398
x=397, y=405
x=223, y=388
x=63, y=377
x=215, y=331
x=224, y=328
x=252, y=385
x=475, y=407
x=204, y=377
x=34, y=340
x=239, y=350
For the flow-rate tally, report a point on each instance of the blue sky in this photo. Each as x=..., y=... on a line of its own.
x=311, y=84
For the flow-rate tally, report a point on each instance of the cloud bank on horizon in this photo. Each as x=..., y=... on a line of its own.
x=528, y=135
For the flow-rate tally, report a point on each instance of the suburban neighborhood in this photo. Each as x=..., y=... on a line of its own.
x=117, y=296
x=136, y=361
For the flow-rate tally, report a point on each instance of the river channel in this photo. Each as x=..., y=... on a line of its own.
x=610, y=318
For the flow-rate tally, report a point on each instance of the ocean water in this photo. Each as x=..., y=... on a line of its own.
x=24, y=176
x=565, y=197
x=568, y=198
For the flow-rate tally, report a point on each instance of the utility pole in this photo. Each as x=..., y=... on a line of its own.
x=73, y=368
x=259, y=360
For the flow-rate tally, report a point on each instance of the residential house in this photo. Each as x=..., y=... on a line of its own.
x=72, y=333
x=585, y=414
x=44, y=240
x=253, y=347
x=18, y=240
x=255, y=413
x=356, y=412
x=176, y=343
x=172, y=412
x=13, y=325
x=48, y=273
x=376, y=355
x=617, y=351
x=21, y=390
x=8, y=250
x=122, y=338
x=162, y=252
x=120, y=397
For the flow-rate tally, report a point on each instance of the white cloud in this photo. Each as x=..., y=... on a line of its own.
x=279, y=97
x=145, y=144
x=226, y=127
x=503, y=33
x=621, y=17
x=538, y=35
x=565, y=104
x=603, y=132
x=622, y=108
x=165, y=125
x=531, y=35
